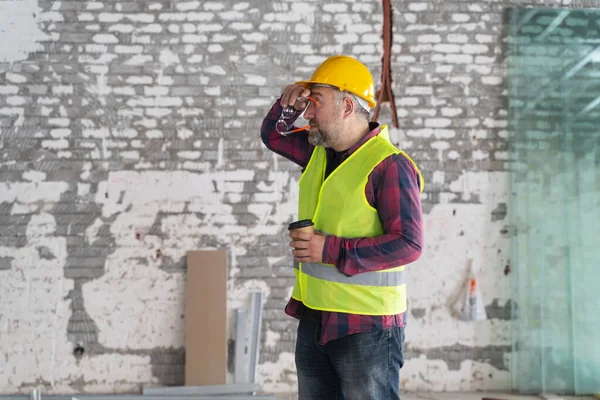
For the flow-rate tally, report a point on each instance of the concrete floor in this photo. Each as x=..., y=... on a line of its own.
x=479, y=396
x=465, y=396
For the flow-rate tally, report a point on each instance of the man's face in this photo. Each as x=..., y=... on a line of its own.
x=325, y=121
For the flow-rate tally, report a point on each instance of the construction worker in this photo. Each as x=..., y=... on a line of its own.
x=363, y=196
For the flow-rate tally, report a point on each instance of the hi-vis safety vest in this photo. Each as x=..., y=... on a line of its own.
x=338, y=206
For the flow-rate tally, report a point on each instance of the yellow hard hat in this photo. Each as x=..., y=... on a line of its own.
x=345, y=73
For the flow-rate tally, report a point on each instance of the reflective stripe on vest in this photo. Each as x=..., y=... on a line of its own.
x=332, y=274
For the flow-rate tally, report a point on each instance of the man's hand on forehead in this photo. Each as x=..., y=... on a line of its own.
x=291, y=94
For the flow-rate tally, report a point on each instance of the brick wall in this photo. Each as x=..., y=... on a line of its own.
x=130, y=134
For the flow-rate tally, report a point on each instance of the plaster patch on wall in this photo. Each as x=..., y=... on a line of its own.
x=455, y=233
x=272, y=375
x=20, y=33
x=33, y=327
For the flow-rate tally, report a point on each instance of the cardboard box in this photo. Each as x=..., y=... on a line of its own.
x=206, y=318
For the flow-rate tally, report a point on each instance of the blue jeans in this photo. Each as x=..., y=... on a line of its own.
x=363, y=366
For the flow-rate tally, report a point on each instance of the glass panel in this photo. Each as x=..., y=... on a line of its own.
x=553, y=69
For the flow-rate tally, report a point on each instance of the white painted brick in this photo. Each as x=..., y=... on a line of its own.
x=360, y=28
x=12, y=110
x=62, y=89
x=105, y=38
x=168, y=101
x=109, y=17
x=447, y=48
x=121, y=28
x=143, y=39
x=175, y=17
x=96, y=48
x=139, y=80
x=461, y=17
x=15, y=78
x=188, y=27
x=502, y=155
x=85, y=17
x=410, y=18
x=480, y=69
x=63, y=122
x=199, y=16
x=335, y=8
x=155, y=6
x=55, y=144
x=417, y=6
x=428, y=112
x=429, y=38
x=485, y=60
x=187, y=5
x=494, y=123
x=154, y=134
x=232, y=15
x=157, y=112
x=195, y=59
x=244, y=6
x=492, y=80
x=60, y=133
x=123, y=49
x=245, y=26
x=165, y=80
x=139, y=60
x=408, y=101
x=48, y=100
x=451, y=112
x=9, y=89
x=484, y=38
x=156, y=91
x=418, y=90
x=255, y=37
x=364, y=49
x=453, y=58
x=348, y=38
x=215, y=48
x=94, y=5
x=453, y=155
x=376, y=39
x=406, y=59
x=51, y=16
x=438, y=122
x=151, y=28
x=130, y=155
x=140, y=17
x=480, y=155
x=189, y=155
x=475, y=48
x=209, y=27
x=16, y=100
x=457, y=38
x=189, y=38
x=124, y=91
x=213, y=91
x=92, y=27
x=213, y=6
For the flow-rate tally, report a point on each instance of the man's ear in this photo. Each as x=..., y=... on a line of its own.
x=348, y=106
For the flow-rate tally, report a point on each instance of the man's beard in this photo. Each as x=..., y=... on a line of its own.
x=320, y=138
x=316, y=139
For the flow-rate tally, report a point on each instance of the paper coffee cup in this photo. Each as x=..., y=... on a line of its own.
x=303, y=225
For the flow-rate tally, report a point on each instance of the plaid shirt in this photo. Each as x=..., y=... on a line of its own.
x=393, y=189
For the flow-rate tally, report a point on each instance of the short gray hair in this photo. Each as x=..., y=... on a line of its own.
x=363, y=106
